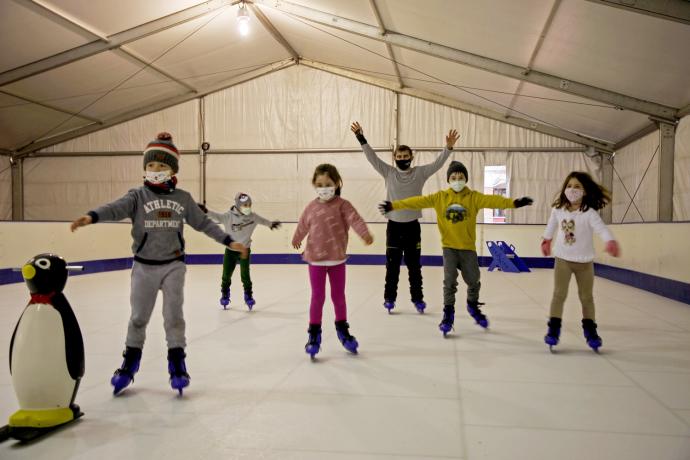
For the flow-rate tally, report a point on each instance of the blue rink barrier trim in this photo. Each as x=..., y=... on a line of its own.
x=665, y=287
x=672, y=289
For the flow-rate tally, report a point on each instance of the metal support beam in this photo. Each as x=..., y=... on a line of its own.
x=473, y=60
x=17, y=167
x=667, y=143
x=156, y=106
x=389, y=48
x=684, y=111
x=650, y=128
x=671, y=10
x=113, y=41
x=137, y=60
x=70, y=23
x=535, y=51
x=202, y=154
x=607, y=181
x=52, y=107
x=268, y=25
x=396, y=121
x=443, y=100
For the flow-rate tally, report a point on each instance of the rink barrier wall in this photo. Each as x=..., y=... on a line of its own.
x=655, y=256
x=671, y=289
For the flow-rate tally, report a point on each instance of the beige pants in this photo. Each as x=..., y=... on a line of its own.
x=584, y=275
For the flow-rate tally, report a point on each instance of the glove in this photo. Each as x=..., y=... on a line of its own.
x=524, y=201
x=613, y=248
x=203, y=207
x=385, y=207
x=275, y=224
x=546, y=247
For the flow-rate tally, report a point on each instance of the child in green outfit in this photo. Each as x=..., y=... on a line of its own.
x=239, y=222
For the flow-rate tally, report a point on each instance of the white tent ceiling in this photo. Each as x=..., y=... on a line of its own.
x=122, y=59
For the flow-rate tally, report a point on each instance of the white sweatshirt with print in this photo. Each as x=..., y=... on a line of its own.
x=574, y=233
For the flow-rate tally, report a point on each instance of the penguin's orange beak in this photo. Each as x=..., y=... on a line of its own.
x=28, y=272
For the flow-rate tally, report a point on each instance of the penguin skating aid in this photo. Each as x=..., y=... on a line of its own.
x=46, y=354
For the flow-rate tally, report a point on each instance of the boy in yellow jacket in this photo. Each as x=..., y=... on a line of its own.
x=456, y=214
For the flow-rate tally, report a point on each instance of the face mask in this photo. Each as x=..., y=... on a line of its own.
x=457, y=185
x=574, y=194
x=245, y=210
x=325, y=193
x=403, y=165
x=157, y=177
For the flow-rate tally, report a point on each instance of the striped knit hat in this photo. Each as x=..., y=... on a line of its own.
x=164, y=151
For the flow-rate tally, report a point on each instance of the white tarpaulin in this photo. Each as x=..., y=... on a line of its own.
x=631, y=163
x=540, y=176
x=66, y=188
x=681, y=177
x=5, y=189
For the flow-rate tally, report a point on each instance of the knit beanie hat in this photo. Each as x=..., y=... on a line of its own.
x=164, y=151
x=456, y=166
x=242, y=199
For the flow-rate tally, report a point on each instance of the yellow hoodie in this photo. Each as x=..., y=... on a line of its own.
x=449, y=204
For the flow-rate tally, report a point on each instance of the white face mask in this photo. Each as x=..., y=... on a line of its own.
x=574, y=194
x=457, y=185
x=245, y=210
x=325, y=193
x=157, y=177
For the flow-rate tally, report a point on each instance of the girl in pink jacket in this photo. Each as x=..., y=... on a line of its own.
x=326, y=221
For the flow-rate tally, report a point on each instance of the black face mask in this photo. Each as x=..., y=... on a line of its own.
x=403, y=164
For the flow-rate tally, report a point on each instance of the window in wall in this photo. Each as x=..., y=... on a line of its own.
x=495, y=183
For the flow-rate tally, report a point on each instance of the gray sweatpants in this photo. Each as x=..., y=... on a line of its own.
x=465, y=261
x=147, y=280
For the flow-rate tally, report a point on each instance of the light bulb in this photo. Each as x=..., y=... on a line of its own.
x=244, y=28
x=243, y=20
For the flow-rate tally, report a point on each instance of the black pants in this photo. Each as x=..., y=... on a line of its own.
x=403, y=241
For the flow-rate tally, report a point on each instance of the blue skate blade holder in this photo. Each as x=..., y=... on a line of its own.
x=500, y=259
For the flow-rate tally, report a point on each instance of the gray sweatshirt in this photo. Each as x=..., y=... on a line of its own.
x=404, y=184
x=158, y=222
x=239, y=226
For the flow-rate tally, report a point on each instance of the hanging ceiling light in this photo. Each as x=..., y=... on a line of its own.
x=243, y=19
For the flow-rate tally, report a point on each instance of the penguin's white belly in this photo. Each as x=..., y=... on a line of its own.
x=39, y=365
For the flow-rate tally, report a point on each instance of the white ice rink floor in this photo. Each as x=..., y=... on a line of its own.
x=409, y=394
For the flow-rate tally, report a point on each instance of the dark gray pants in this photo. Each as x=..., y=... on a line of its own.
x=147, y=280
x=465, y=261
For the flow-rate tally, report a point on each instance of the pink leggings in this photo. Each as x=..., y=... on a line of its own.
x=317, y=277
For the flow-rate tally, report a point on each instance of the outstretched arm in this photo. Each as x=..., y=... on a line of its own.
x=379, y=165
x=431, y=168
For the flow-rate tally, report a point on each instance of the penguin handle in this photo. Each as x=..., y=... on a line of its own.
x=75, y=268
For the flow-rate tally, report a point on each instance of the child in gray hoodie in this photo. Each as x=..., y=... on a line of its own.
x=239, y=221
x=158, y=211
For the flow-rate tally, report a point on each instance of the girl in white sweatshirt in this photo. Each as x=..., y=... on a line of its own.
x=574, y=220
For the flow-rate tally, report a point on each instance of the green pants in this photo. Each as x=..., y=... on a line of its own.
x=229, y=262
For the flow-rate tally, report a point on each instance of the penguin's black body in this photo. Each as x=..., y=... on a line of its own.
x=46, y=353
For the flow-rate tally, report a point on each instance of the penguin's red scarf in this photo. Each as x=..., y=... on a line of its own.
x=42, y=298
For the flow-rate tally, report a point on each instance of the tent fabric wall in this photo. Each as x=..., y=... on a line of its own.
x=630, y=164
x=424, y=123
x=66, y=188
x=182, y=121
x=5, y=189
x=540, y=175
x=681, y=177
x=298, y=108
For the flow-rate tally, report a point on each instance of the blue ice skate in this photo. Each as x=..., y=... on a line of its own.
x=179, y=378
x=124, y=376
x=348, y=341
